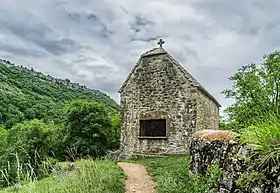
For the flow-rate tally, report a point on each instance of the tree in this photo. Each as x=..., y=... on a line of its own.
x=256, y=91
x=27, y=146
x=3, y=134
x=88, y=128
x=115, y=133
x=32, y=139
x=67, y=81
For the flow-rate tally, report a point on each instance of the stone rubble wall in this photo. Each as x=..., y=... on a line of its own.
x=231, y=158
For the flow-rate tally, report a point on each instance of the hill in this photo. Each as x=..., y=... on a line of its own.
x=26, y=94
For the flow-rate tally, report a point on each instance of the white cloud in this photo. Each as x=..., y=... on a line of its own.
x=98, y=42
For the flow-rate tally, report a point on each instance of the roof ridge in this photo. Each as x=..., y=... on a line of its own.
x=154, y=51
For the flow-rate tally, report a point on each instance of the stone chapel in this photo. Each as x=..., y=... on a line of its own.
x=162, y=105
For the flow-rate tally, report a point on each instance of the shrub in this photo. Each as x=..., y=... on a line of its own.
x=264, y=138
x=115, y=133
x=208, y=182
x=27, y=145
x=248, y=181
x=88, y=128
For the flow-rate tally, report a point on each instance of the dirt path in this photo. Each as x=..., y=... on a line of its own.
x=138, y=180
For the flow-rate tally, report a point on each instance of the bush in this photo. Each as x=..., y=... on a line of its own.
x=264, y=138
x=248, y=181
x=3, y=134
x=27, y=145
x=208, y=182
x=115, y=133
x=88, y=129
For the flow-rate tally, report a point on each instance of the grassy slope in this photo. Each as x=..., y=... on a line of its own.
x=91, y=177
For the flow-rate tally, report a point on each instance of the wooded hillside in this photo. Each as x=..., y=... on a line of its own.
x=26, y=94
x=44, y=120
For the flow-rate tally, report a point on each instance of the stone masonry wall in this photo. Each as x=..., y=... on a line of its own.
x=207, y=113
x=158, y=89
x=231, y=158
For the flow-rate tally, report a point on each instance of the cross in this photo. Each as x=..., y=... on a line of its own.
x=160, y=43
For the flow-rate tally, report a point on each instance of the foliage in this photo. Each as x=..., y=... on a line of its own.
x=256, y=91
x=90, y=176
x=27, y=145
x=255, y=114
x=230, y=125
x=115, y=133
x=264, y=138
x=40, y=125
x=35, y=146
x=209, y=181
x=89, y=128
x=3, y=134
x=26, y=96
x=171, y=174
x=247, y=181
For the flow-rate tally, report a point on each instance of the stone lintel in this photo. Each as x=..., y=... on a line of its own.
x=151, y=137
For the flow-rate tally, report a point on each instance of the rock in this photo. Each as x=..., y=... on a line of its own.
x=230, y=156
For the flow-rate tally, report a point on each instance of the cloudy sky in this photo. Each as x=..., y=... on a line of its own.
x=97, y=43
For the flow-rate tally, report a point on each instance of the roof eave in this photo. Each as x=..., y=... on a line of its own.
x=209, y=95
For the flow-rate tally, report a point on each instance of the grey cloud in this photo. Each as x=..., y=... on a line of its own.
x=39, y=34
x=244, y=17
x=19, y=51
x=125, y=11
x=94, y=23
x=141, y=21
x=98, y=42
x=57, y=47
x=99, y=76
x=81, y=18
x=147, y=39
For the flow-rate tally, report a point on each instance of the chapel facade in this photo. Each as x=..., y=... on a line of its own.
x=162, y=105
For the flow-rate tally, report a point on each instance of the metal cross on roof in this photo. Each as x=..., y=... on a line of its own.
x=160, y=43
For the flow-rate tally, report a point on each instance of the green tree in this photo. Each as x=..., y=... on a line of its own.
x=88, y=128
x=25, y=96
x=33, y=139
x=256, y=91
x=115, y=133
x=3, y=134
x=27, y=145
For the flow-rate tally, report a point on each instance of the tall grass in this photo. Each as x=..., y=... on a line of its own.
x=85, y=176
x=264, y=138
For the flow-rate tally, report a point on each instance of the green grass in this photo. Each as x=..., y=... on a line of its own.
x=171, y=175
x=89, y=177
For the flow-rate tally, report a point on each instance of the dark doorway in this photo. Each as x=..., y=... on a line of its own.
x=153, y=128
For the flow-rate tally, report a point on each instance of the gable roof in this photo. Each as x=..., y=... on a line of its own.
x=159, y=51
